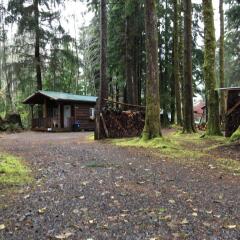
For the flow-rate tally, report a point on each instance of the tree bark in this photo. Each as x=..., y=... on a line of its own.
x=8, y=74
x=132, y=47
x=37, y=45
x=167, y=98
x=103, y=93
x=213, y=126
x=221, y=59
x=176, y=63
x=181, y=58
x=129, y=60
x=152, y=119
x=188, y=126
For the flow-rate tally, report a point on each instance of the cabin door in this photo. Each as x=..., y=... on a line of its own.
x=67, y=115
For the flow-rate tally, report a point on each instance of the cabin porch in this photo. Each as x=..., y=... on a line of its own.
x=58, y=112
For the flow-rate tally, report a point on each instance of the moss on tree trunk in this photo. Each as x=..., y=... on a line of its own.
x=152, y=118
x=236, y=135
x=213, y=125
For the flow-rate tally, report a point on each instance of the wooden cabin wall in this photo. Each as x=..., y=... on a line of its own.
x=82, y=114
x=233, y=119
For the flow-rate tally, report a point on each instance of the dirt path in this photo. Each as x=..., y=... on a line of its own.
x=88, y=190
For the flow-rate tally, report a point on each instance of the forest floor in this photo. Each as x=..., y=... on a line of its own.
x=187, y=188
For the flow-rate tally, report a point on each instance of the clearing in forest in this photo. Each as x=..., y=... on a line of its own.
x=182, y=187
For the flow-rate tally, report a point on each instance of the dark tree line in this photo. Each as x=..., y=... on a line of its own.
x=43, y=56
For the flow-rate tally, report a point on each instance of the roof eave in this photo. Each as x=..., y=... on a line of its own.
x=38, y=92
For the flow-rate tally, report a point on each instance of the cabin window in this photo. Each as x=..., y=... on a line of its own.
x=92, y=113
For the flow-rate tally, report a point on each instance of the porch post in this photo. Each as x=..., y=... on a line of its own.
x=32, y=110
x=45, y=108
x=59, y=115
x=32, y=115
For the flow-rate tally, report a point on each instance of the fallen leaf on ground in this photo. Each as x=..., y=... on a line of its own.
x=194, y=214
x=26, y=196
x=231, y=226
x=206, y=224
x=184, y=221
x=209, y=212
x=75, y=211
x=2, y=226
x=167, y=217
x=84, y=183
x=42, y=210
x=171, y=201
x=64, y=235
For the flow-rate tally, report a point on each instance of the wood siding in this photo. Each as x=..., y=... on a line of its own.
x=82, y=114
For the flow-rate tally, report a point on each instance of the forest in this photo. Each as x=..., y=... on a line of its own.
x=120, y=119
x=38, y=54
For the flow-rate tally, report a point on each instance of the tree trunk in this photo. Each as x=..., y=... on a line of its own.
x=8, y=75
x=213, y=126
x=152, y=119
x=188, y=126
x=181, y=58
x=132, y=42
x=221, y=59
x=37, y=45
x=166, y=80
x=176, y=63
x=128, y=60
x=103, y=93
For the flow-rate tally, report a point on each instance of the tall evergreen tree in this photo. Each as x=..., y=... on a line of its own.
x=213, y=127
x=221, y=57
x=103, y=92
x=37, y=59
x=176, y=62
x=103, y=53
x=152, y=119
x=33, y=21
x=188, y=126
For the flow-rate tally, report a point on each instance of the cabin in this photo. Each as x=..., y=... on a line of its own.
x=232, y=109
x=199, y=112
x=61, y=111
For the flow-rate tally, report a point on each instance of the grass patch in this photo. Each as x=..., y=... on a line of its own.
x=160, y=143
x=188, y=149
x=94, y=164
x=168, y=146
x=90, y=136
x=229, y=164
x=13, y=171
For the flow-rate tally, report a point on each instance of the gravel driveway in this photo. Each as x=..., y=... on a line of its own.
x=94, y=190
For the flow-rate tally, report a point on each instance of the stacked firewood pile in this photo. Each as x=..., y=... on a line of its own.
x=123, y=123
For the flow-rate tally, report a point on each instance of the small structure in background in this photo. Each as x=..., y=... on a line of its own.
x=232, y=109
x=62, y=111
x=199, y=110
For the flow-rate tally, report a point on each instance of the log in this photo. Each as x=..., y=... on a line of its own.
x=123, y=123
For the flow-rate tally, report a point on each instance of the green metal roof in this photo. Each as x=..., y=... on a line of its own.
x=61, y=96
